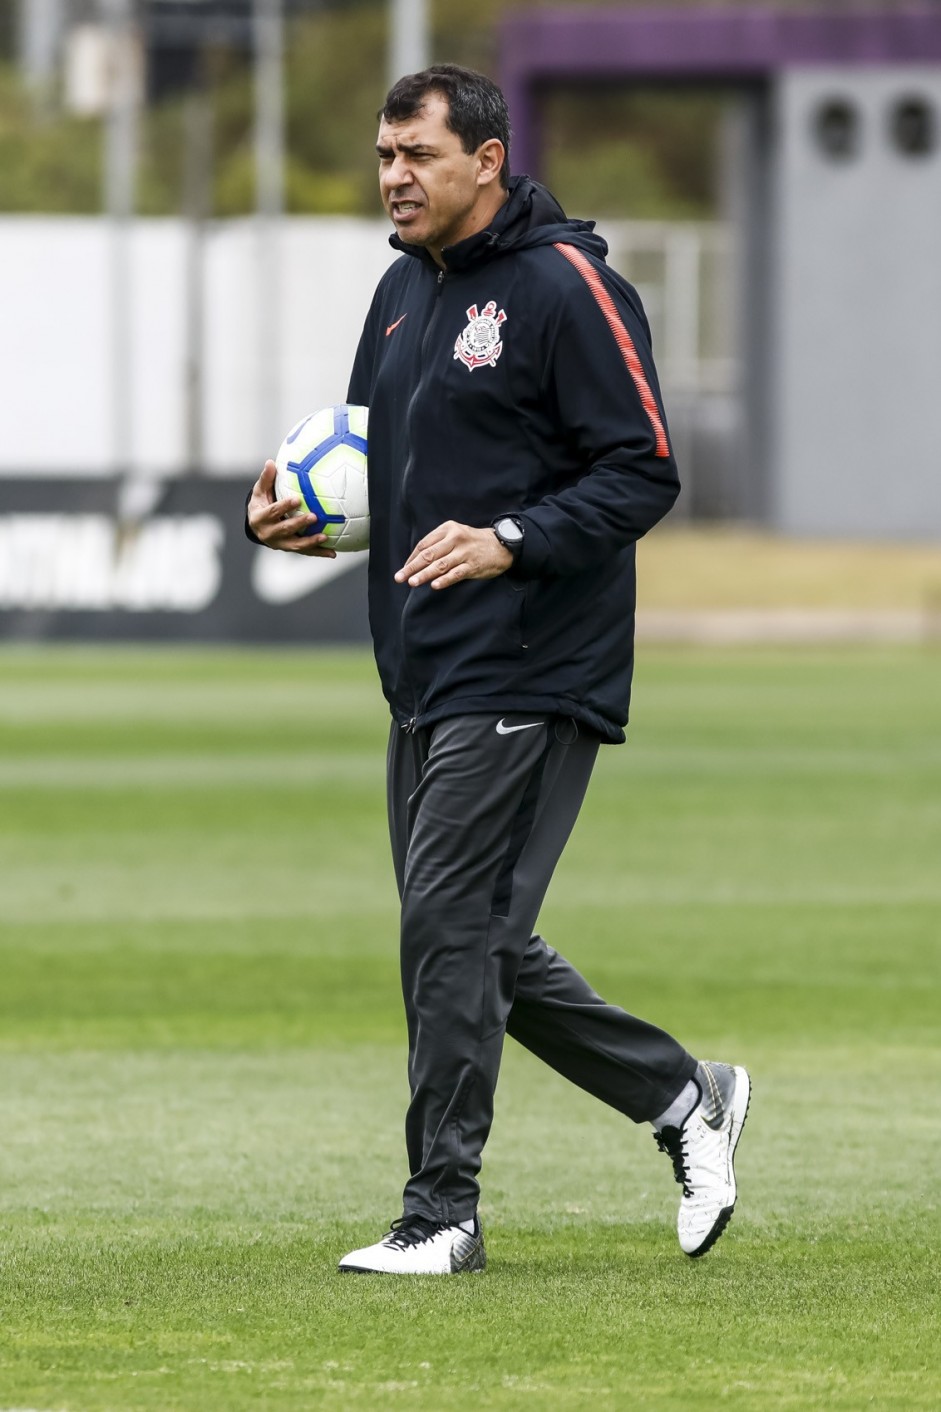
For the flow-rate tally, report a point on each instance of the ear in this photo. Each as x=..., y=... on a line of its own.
x=490, y=156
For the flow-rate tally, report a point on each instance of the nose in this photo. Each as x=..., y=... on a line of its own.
x=398, y=173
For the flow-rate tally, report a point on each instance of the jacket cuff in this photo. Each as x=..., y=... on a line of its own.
x=535, y=554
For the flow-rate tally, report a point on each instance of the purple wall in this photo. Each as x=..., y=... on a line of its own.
x=738, y=46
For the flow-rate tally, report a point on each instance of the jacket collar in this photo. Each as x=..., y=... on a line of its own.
x=530, y=216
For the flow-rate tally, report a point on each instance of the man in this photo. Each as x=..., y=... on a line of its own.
x=517, y=451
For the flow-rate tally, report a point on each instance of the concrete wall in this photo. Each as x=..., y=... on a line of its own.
x=99, y=324
x=856, y=283
x=60, y=384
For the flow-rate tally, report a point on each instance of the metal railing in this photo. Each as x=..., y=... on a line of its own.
x=685, y=275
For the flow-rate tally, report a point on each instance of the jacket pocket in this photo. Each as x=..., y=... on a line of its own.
x=520, y=602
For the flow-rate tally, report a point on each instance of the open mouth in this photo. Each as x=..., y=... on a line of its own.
x=403, y=210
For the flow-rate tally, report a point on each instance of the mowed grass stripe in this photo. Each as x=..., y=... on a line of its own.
x=153, y=1134
x=298, y=768
x=309, y=979
x=276, y=1329
x=203, y=1047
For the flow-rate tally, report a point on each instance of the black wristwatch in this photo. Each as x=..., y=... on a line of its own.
x=509, y=531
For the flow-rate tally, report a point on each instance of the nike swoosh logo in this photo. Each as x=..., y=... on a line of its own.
x=396, y=324
x=717, y=1117
x=509, y=730
x=283, y=578
x=289, y=440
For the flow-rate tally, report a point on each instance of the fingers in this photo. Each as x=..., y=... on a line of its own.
x=432, y=556
x=315, y=548
x=452, y=553
x=277, y=524
x=263, y=505
x=449, y=568
x=263, y=490
x=282, y=516
x=288, y=535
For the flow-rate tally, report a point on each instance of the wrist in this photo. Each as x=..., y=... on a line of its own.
x=503, y=557
x=510, y=534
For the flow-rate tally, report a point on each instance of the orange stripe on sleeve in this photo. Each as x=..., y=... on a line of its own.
x=623, y=339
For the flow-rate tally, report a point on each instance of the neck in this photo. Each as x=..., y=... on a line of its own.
x=478, y=220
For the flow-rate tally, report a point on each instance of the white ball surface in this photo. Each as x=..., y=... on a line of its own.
x=323, y=459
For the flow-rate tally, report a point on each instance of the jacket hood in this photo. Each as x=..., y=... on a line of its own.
x=530, y=216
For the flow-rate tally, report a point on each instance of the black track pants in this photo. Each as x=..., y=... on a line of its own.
x=480, y=808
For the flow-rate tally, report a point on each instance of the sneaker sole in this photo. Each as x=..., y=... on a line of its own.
x=409, y=1274
x=474, y=1263
x=742, y=1077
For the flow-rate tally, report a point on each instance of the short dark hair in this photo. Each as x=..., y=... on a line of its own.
x=477, y=109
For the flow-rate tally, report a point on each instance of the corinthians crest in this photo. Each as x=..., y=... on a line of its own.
x=480, y=345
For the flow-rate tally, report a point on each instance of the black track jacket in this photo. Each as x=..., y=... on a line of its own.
x=520, y=381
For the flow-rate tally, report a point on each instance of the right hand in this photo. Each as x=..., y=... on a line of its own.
x=267, y=522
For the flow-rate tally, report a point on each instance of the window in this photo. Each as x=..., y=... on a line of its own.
x=912, y=126
x=837, y=128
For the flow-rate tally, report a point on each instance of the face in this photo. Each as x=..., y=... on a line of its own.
x=434, y=192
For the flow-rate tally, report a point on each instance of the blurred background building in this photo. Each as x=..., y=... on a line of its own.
x=189, y=238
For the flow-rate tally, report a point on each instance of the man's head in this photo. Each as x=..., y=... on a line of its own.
x=444, y=139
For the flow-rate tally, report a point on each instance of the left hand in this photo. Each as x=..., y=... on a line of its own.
x=454, y=552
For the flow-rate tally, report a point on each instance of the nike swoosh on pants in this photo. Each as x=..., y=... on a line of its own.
x=509, y=730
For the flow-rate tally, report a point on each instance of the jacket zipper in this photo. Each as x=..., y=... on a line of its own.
x=406, y=474
x=410, y=726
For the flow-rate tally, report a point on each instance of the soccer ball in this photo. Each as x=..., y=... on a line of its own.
x=323, y=460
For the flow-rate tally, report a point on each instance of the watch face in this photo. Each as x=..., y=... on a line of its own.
x=509, y=530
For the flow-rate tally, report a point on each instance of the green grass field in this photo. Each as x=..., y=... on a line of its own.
x=202, y=1052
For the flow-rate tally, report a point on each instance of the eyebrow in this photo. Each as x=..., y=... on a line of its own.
x=411, y=149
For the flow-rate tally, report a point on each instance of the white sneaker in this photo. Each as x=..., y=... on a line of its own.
x=702, y=1151
x=415, y=1246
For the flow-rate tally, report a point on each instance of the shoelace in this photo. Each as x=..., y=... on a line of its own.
x=670, y=1141
x=411, y=1230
